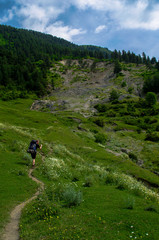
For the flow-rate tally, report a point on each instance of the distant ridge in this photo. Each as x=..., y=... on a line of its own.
x=27, y=55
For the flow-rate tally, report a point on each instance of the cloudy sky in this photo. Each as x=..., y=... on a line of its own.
x=116, y=24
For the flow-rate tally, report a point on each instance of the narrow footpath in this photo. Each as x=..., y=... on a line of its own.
x=12, y=228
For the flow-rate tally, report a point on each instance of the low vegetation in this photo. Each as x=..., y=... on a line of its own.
x=96, y=112
x=98, y=171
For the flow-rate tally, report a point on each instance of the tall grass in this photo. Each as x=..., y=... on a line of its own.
x=66, y=164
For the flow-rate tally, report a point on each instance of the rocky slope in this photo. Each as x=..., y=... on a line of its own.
x=80, y=84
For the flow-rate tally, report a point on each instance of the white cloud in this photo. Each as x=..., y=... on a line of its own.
x=8, y=16
x=41, y=16
x=137, y=14
x=66, y=32
x=45, y=16
x=104, y=5
x=100, y=28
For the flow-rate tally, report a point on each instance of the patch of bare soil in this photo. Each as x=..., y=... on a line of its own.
x=87, y=83
x=12, y=228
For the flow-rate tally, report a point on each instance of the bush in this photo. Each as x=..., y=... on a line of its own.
x=138, y=130
x=141, y=103
x=27, y=157
x=130, y=90
x=12, y=94
x=121, y=186
x=101, y=107
x=147, y=120
x=151, y=209
x=123, y=84
x=100, y=138
x=43, y=208
x=111, y=113
x=133, y=157
x=71, y=197
x=150, y=121
x=151, y=99
x=152, y=136
x=130, y=121
x=99, y=122
x=88, y=182
x=114, y=96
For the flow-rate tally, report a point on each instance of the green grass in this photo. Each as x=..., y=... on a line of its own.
x=104, y=214
x=76, y=168
x=15, y=186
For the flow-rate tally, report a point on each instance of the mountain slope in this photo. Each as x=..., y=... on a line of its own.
x=91, y=188
x=100, y=142
x=81, y=84
x=26, y=57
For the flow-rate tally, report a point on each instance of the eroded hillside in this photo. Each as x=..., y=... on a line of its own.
x=80, y=84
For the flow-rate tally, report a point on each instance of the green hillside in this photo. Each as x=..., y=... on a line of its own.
x=26, y=57
x=96, y=113
x=91, y=182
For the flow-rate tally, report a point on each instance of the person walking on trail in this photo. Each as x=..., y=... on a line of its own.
x=34, y=145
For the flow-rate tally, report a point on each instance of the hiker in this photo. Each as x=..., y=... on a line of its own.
x=34, y=144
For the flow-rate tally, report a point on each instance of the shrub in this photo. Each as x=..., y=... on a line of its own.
x=75, y=179
x=151, y=99
x=100, y=138
x=99, y=122
x=43, y=208
x=147, y=120
x=150, y=121
x=130, y=121
x=141, y=103
x=133, y=157
x=101, y=107
x=123, y=84
x=138, y=130
x=114, y=96
x=94, y=130
x=110, y=179
x=151, y=209
x=152, y=136
x=88, y=182
x=130, y=107
x=27, y=157
x=130, y=90
x=71, y=197
x=154, y=120
x=123, y=112
x=121, y=186
x=111, y=113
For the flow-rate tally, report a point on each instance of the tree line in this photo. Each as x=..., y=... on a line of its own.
x=26, y=56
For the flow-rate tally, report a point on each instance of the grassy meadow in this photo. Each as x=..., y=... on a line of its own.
x=95, y=187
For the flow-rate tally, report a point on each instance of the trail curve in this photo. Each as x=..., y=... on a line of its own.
x=11, y=231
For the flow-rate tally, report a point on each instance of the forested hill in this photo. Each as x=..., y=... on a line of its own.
x=26, y=56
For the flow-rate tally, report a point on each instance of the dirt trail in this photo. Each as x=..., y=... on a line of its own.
x=12, y=228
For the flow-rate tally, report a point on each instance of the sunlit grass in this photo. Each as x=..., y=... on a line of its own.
x=100, y=196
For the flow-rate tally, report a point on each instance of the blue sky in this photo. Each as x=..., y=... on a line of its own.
x=116, y=24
